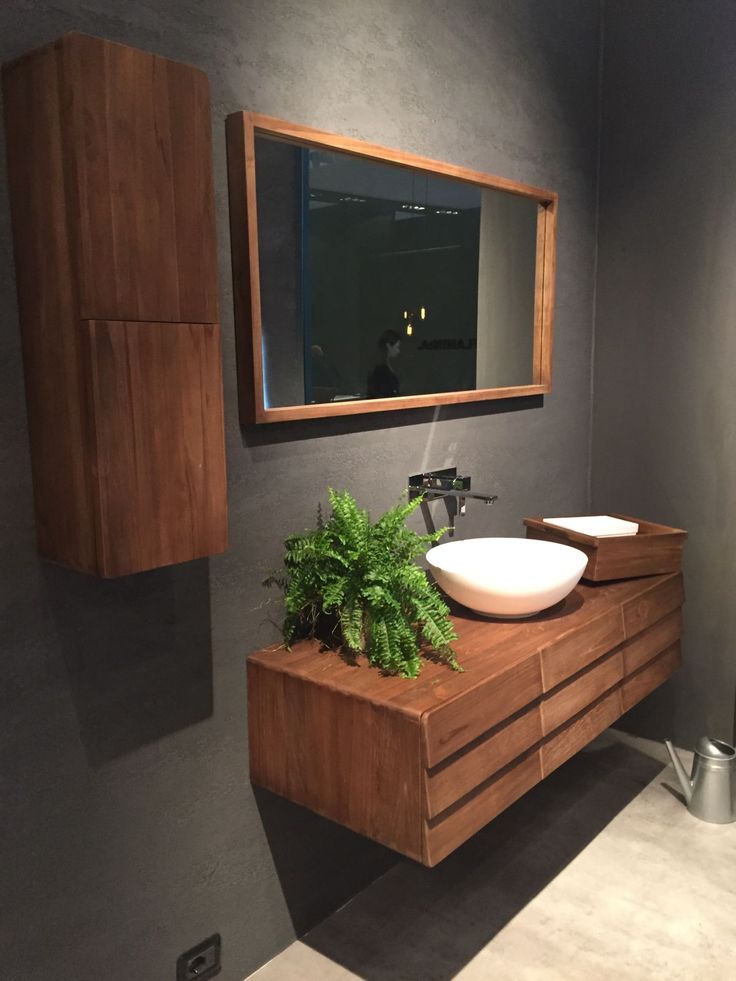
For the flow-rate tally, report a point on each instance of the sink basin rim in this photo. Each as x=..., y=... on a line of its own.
x=506, y=577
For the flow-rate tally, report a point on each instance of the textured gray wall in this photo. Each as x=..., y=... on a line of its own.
x=665, y=400
x=129, y=830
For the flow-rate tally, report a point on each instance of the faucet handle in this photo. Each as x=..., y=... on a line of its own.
x=446, y=479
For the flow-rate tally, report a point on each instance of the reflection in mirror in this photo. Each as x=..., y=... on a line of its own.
x=381, y=281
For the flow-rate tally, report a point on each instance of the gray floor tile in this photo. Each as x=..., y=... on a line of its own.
x=599, y=872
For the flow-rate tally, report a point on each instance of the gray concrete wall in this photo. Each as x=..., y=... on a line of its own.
x=664, y=440
x=506, y=290
x=278, y=189
x=128, y=827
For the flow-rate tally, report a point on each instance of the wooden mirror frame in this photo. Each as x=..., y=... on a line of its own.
x=241, y=128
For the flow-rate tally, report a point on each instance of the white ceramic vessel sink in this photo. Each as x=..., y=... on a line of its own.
x=506, y=577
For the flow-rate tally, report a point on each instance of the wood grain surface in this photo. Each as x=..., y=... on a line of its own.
x=158, y=458
x=640, y=612
x=571, y=650
x=487, y=648
x=345, y=758
x=545, y=287
x=47, y=284
x=473, y=742
x=110, y=176
x=579, y=731
x=650, y=642
x=448, y=727
x=651, y=676
x=309, y=136
x=575, y=694
x=460, y=774
x=445, y=834
x=140, y=180
x=656, y=549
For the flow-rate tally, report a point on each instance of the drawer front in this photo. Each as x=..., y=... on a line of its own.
x=142, y=142
x=457, y=776
x=567, y=655
x=155, y=399
x=451, y=727
x=580, y=730
x=575, y=695
x=651, y=642
x=646, y=610
x=644, y=681
x=445, y=834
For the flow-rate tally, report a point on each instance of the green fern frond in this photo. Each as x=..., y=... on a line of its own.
x=351, y=621
x=365, y=574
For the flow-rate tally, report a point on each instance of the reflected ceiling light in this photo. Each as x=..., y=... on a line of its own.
x=410, y=316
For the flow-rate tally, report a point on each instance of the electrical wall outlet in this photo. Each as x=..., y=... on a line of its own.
x=201, y=962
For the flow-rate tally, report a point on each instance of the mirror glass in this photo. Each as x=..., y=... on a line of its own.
x=381, y=281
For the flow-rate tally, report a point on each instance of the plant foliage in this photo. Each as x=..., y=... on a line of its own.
x=364, y=577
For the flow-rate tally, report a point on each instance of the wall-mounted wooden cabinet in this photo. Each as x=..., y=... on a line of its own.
x=422, y=764
x=110, y=175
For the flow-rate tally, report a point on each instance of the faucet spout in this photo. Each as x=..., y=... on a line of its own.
x=459, y=496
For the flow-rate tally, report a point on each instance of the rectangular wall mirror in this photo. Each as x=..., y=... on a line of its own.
x=368, y=279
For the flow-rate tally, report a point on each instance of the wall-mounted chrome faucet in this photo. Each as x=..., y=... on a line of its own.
x=447, y=483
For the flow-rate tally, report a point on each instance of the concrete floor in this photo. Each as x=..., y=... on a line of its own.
x=598, y=873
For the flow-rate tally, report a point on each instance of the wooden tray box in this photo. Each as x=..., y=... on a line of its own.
x=654, y=550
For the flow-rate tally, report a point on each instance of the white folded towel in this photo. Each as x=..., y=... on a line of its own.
x=596, y=525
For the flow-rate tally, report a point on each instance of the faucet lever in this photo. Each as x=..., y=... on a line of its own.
x=445, y=480
x=447, y=483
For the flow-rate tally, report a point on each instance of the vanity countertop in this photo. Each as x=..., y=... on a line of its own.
x=420, y=764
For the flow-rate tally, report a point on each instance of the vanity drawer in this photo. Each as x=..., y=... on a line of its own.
x=651, y=642
x=655, y=603
x=580, y=730
x=566, y=655
x=457, y=776
x=575, y=695
x=454, y=725
x=644, y=681
x=443, y=835
x=421, y=765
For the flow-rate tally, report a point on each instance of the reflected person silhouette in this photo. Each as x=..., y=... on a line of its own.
x=383, y=382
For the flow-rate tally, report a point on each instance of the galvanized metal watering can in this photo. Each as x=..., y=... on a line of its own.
x=710, y=791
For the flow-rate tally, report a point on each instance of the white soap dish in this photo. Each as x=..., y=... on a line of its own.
x=596, y=525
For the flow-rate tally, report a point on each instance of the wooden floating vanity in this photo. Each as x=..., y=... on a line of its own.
x=421, y=765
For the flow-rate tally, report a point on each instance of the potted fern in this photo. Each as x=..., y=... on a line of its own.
x=361, y=580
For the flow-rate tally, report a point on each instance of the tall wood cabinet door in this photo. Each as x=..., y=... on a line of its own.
x=47, y=301
x=139, y=154
x=158, y=456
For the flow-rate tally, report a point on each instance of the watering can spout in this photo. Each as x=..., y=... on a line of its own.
x=687, y=787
